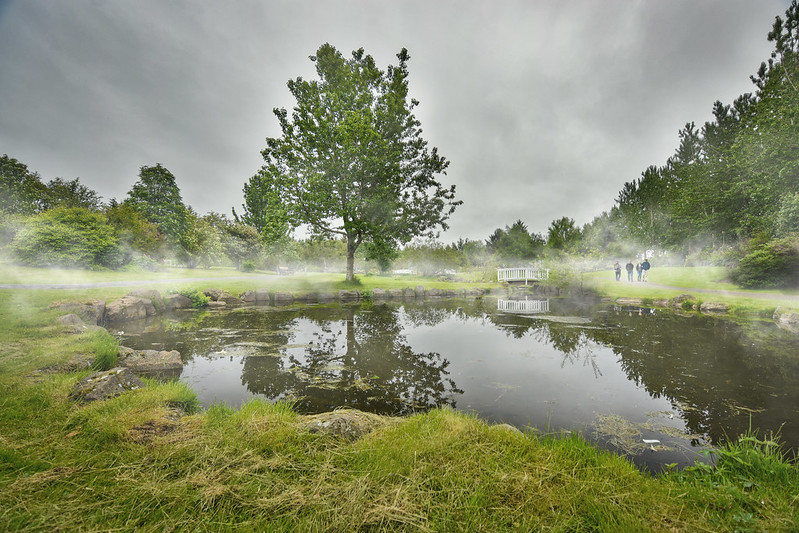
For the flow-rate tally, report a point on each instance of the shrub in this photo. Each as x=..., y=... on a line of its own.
x=198, y=299
x=248, y=266
x=67, y=237
x=774, y=264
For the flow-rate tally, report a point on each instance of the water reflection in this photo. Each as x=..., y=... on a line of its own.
x=563, y=368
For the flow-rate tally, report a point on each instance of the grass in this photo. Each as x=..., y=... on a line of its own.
x=699, y=279
x=149, y=461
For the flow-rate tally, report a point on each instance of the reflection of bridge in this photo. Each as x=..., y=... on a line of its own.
x=523, y=306
x=522, y=274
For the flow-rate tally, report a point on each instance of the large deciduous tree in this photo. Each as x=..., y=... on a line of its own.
x=352, y=161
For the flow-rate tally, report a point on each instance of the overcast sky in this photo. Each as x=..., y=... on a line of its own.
x=544, y=108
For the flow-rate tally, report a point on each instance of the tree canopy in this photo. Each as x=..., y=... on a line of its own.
x=352, y=161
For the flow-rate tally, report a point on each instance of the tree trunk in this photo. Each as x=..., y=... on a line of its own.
x=351, y=247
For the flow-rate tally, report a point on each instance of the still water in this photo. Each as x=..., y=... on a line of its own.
x=650, y=384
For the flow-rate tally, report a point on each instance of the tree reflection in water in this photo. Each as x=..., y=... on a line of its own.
x=360, y=360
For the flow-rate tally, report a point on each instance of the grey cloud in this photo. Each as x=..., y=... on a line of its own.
x=544, y=108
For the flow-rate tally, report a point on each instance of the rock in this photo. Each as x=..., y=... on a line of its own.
x=507, y=427
x=629, y=301
x=349, y=424
x=283, y=298
x=149, y=294
x=261, y=296
x=395, y=293
x=662, y=303
x=214, y=294
x=128, y=308
x=326, y=296
x=678, y=300
x=409, y=294
x=70, y=320
x=714, y=308
x=103, y=385
x=435, y=293
x=451, y=293
x=349, y=296
x=786, y=320
x=216, y=305
x=308, y=298
x=379, y=294
x=218, y=295
x=90, y=311
x=177, y=301
x=419, y=290
x=248, y=297
x=150, y=362
x=474, y=293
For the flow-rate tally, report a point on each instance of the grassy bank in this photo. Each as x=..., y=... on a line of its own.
x=707, y=284
x=149, y=460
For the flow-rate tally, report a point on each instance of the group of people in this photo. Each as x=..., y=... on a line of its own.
x=641, y=268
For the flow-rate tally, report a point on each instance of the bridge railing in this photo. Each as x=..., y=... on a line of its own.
x=523, y=306
x=522, y=274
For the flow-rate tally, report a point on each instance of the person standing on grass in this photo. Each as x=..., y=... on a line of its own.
x=638, y=269
x=629, y=266
x=617, y=270
x=645, y=266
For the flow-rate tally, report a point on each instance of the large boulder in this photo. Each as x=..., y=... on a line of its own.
x=326, y=297
x=309, y=298
x=129, y=308
x=379, y=294
x=435, y=293
x=248, y=297
x=107, y=384
x=177, y=301
x=90, y=311
x=149, y=294
x=283, y=298
x=714, y=308
x=349, y=424
x=786, y=320
x=150, y=362
x=419, y=290
x=409, y=294
x=219, y=295
x=395, y=294
x=349, y=296
x=72, y=323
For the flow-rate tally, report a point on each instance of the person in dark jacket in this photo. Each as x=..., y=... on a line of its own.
x=645, y=266
x=617, y=270
x=630, y=267
x=638, y=269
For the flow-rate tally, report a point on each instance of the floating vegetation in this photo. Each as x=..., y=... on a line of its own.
x=503, y=387
x=624, y=435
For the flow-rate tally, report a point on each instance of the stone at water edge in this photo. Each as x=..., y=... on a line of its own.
x=350, y=424
x=91, y=311
x=104, y=385
x=149, y=294
x=786, y=320
x=177, y=301
x=148, y=361
x=129, y=308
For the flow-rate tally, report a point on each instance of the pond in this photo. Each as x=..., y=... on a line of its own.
x=650, y=384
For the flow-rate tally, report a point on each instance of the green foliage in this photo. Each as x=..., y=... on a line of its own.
x=198, y=299
x=248, y=266
x=774, y=264
x=157, y=197
x=515, y=243
x=70, y=193
x=67, y=237
x=105, y=348
x=263, y=207
x=352, y=161
x=21, y=191
x=562, y=233
x=135, y=233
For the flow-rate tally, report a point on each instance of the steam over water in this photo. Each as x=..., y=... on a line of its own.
x=619, y=376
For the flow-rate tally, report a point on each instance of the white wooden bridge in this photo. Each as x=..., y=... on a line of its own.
x=525, y=274
x=523, y=306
